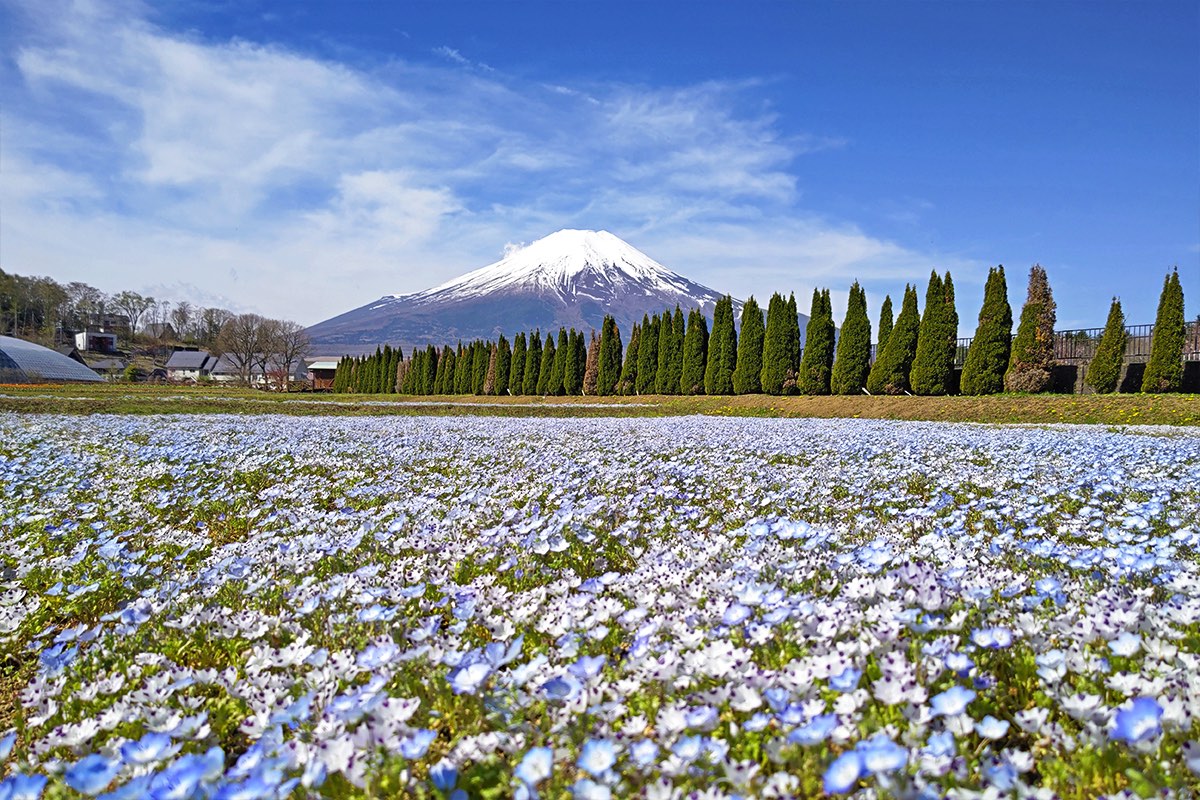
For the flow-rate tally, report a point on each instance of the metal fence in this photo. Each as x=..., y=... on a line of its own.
x=1079, y=346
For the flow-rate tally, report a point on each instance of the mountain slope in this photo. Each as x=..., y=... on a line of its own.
x=570, y=278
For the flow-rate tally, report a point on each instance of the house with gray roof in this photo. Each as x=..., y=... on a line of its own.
x=190, y=365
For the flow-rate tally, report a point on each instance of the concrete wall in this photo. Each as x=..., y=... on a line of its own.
x=1069, y=378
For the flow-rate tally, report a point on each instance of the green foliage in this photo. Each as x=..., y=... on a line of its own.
x=609, y=371
x=462, y=369
x=793, y=342
x=987, y=358
x=503, y=365
x=695, y=353
x=628, y=382
x=572, y=374
x=530, y=380
x=722, y=350
x=557, y=367
x=1164, y=372
x=933, y=364
x=580, y=360
x=1105, y=369
x=647, y=370
x=889, y=373
x=816, y=364
x=670, y=352
x=775, y=347
x=853, y=361
x=427, y=378
x=885, y=324
x=479, y=366
x=1032, y=358
x=591, y=372
x=516, y=375
x=545, y=372
x=747, y=375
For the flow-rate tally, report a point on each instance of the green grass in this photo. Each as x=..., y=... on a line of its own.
x=1113, y=410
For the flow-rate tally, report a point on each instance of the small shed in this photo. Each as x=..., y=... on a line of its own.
x=321, y=374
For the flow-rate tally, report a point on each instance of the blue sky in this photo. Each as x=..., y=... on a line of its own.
x=301, y=159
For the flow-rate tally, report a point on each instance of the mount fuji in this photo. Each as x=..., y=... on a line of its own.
x=571, y=278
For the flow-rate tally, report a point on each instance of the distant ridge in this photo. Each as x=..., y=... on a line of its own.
x=571, y=278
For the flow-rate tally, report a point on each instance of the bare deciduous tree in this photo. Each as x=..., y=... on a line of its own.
x=134, y=306
x=241, y=340
x=291, y=345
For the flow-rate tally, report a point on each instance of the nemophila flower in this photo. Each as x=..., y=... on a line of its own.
x=643, y=752
x=587, y=667
x=959, y=663
x=992, y=638
x=951, y=702
x=991, y=728
x=443, y=775
x=19, y=786
x=1139, y=721
x=1126, y=645
x=150, y=748
x=134, y=789
x=536, y=766
x=377, y=655
x=816, y=731
x=842, y=775
x=597, y=756
x=880, y=754
x=736, y=614
x=564, y=688
x=586, y=789
x=6, y=745
x=846, y=680
x=91, y=774
x=415, y=746
x=468, y=679
x=57, y=658
x=688, y=748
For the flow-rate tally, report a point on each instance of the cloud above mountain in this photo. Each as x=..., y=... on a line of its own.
x=301, y=184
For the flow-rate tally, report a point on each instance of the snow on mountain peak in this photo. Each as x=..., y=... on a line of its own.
x=563, y=263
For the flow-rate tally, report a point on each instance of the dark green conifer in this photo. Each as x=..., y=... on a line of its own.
x=531, y=380
x=572, y=377
x=889, y=373
x=1164, y=371
x=933, y=364
x=722, y=350
x=479, y=365
x=503, y=365
x=1105, y=369
x=628, y=383
x=561, y=354
x=516, y=373
x=462, y=369
x=544, y=385
x=439, y=377
x=591, y=370
x=1031, y=363
x=747, y=374
x=885, y=324
x=987, y=357
x=431, y=364
x=775, y=353
x=695, y=352
x=610, y=357
x=816, y=362
x=853, y=361
x=794, y=344
x=647, y=370
x=666, y=347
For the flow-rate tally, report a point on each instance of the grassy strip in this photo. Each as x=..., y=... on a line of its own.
x=1117, y=409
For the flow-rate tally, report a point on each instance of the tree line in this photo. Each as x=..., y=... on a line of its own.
x=670, y=354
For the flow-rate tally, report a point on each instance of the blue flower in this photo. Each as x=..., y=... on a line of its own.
x=131, y=790
x=959, y=663
x=816, y=731
x=941, y=745
x=150, y=748
x=843, y=773
x=590, y=790
x=536, y=766
x=468, y=679
x=881, y=754
x=444, y=775
x=736, y=614
x=643, y=752
x=587, y=667
x=565, y=688
x=22, y=787
x=1141, y=721
x=952, y=702
x=991, y=728
x=597, y=756
x=57, y=658
x=992, y=638
x=91, y=774
x=6, y=745
x=846, y=680
x=413, y=747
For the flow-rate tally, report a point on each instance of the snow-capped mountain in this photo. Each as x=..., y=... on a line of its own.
x=571, y=278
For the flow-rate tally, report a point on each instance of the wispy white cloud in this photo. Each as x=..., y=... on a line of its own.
x=304, y=187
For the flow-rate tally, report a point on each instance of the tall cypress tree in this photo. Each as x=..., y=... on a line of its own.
x=775, y=346
x=503, y=365
x=1031, y=363
x=885, y=324
x=572, y=375
x=462, y=369
x=747, y=373
x=987, y=358
x=489, y=377
x=610, y=357
x=662, y=382
x=695, y=352
x=533, y=364
x=1164, y=372
x=889, y=373
x=479, y=365
x=816, y=363
x=431, y=365
x=933, y=364
x=439, y=377
x=580, y=360
x=591, y=372
x=516, y=373
x=794, y=345
x=1105, y=369
x=445, y=381
x=722, y=350
x=557, y=367
x=547, y=367
x=628, y=383
x=853, y=361
x=647, y=369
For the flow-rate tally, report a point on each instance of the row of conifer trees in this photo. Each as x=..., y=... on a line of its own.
x=667, y=355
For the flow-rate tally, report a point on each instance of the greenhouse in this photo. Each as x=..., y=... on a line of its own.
x=26, y=362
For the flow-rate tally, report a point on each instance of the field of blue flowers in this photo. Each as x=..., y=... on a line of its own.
x=264, y=606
